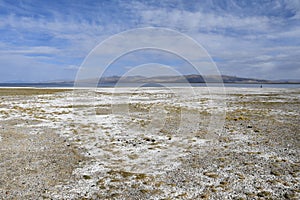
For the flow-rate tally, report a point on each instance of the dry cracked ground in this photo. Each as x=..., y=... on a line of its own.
x=149, y=143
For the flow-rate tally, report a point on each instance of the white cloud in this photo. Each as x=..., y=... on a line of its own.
x=24, y=68
x=200, y=21
x=30, y=50
x=80, y=37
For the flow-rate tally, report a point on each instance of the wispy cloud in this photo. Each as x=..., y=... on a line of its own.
x=246, y=38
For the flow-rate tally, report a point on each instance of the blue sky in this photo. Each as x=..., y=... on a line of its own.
x=48, y=40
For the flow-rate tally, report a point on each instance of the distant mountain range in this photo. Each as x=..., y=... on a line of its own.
x=183, y=79
x=111, y=80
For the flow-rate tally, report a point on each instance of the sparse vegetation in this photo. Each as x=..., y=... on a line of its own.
x=29, y=91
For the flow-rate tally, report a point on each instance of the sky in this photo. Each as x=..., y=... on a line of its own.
x=49, y=40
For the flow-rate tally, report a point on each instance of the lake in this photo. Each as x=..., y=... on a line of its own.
x=70, y=85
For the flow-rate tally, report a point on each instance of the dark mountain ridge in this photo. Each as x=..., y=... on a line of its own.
x=192, y=78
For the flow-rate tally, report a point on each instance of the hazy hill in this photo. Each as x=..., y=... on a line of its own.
x=177, y=79
x=193, y=78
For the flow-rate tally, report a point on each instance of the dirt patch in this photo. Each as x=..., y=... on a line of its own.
x=31, y=165
x=29, y=91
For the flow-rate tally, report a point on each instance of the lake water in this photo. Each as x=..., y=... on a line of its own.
x=70, y=85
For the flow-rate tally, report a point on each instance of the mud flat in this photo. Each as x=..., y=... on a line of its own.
x=149, y=143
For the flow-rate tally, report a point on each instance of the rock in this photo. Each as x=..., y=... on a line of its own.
x=275, y=173
x=264, y=194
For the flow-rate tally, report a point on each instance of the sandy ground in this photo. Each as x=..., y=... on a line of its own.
x=149, y=143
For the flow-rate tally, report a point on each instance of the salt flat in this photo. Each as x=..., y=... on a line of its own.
x=149, y=143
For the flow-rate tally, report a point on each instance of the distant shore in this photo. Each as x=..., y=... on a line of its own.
x=71, y=85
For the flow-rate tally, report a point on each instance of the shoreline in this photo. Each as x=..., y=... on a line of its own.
x=226, y=85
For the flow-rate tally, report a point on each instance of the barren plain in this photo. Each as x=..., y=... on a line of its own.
x=149, y=143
